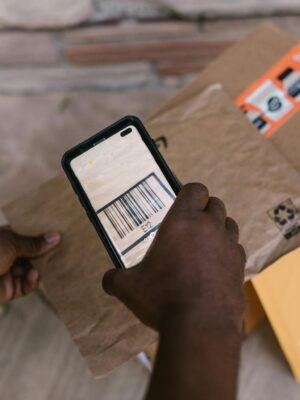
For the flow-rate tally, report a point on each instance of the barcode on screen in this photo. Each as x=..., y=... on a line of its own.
x=136, y=206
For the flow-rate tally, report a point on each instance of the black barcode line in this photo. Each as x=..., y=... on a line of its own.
x=146, y=199
x=131, y=211
x=111, y=219
x=138, y=205
x=150, y=200
x=158, y=200
x=127, y=222
x=119, y=219
x=133, y=208
x=143, y=203
x=137, y=208
x=139, y=201
x=123, y=218
x=128, y=210
x=146, y=187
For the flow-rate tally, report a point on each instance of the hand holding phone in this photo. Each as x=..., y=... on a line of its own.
x=189, y=288
x=195, y=266
x=125, y=187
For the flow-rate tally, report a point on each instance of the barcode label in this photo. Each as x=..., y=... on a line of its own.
x=132, y=216
x=134, y=208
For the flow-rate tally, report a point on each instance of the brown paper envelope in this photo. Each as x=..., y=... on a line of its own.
x=241, y=65
x=105, y=332
x=208, y=140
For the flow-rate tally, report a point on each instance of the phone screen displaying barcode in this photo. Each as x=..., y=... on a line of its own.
x=127, y=190
x=134, y=217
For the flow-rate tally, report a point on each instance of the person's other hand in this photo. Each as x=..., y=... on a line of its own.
x=194, y=264
x=17, y=276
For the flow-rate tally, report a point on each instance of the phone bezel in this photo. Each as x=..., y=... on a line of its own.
x=89, y=143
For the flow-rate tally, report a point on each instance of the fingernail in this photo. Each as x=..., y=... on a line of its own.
x=8, y=287
x=33, y=276
x=52, y=237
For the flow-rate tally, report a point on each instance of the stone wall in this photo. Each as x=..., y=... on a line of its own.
x=36, y=14
x=117, y=55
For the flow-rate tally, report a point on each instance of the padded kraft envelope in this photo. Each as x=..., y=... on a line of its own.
x=246, y=62
x=208, y=140
x=278, y=288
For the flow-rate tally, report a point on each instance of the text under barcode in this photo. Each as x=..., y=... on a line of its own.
x=133, y=208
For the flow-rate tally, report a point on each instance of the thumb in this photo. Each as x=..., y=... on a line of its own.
x=120, y=283
x=34, y=246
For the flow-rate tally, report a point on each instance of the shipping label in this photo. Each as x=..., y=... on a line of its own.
x=275, y=97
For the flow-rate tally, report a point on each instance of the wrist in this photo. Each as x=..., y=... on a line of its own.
x=191, y=341
x=212, y=321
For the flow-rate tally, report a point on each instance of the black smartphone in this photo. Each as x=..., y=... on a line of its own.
x=125, y=186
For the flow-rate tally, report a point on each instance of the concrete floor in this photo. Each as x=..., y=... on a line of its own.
x=39, y=361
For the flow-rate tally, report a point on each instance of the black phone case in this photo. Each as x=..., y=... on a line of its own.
x=92, y=141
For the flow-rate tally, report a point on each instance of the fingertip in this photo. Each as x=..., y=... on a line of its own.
x=35, y=246
x=195, y=195
x=33, y=277
x=233, y=228
x=30, y=283
x=195, y=188
x=217, y=209
x=18, y=290
x=49, y=241
x=8, y=287
x=52, y=238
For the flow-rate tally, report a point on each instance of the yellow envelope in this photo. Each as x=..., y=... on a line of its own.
x=278, y=288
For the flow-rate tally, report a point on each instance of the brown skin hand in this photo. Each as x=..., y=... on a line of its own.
x=189, y=288
x=17, y=275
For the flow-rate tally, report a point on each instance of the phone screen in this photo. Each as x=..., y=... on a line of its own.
x=127, y=190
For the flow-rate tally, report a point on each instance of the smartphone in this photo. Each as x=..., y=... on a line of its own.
x=125, y=187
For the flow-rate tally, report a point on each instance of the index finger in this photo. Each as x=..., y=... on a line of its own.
x=217, y=208
x=192, y=197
